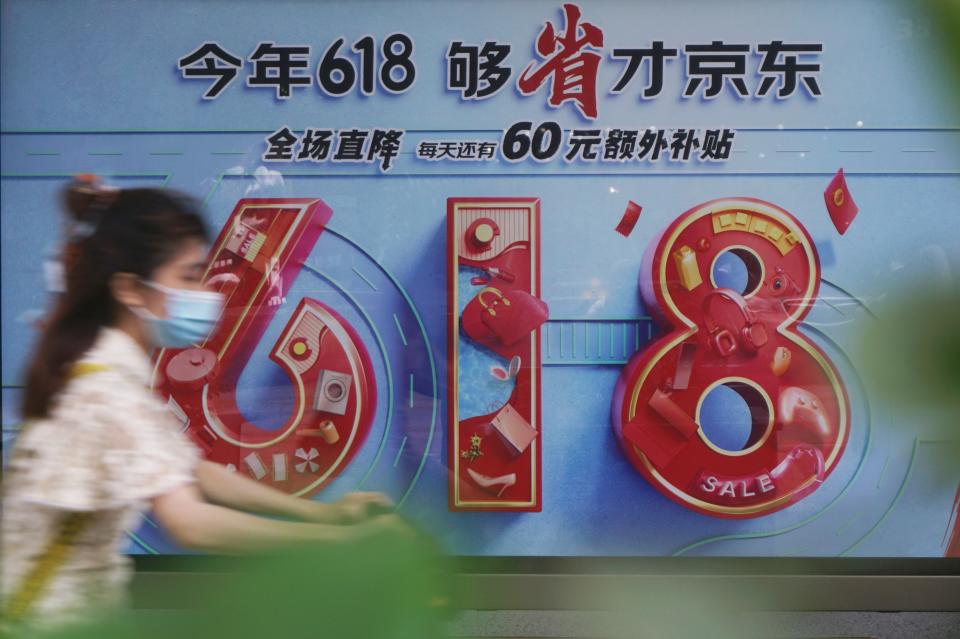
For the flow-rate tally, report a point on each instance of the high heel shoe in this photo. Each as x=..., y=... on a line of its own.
x=489, y=482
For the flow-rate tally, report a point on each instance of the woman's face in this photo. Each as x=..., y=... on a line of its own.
x=182, y=271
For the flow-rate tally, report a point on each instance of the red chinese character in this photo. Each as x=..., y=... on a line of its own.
x=573, y=71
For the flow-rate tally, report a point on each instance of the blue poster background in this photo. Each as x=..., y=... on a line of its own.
x=93, y=87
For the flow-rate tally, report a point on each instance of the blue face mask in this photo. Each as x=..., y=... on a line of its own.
x=191, y=316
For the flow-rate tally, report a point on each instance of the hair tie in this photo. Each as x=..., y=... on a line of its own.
x=102, y=195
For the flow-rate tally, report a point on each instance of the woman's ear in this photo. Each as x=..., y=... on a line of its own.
x=126, y=289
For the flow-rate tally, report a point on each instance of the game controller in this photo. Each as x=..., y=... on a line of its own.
x=800, y=407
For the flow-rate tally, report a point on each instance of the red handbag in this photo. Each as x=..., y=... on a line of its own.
x=507, y=316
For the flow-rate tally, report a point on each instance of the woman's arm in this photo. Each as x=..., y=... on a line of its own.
x=226, y=488
x=199, y=525
x=223, y=487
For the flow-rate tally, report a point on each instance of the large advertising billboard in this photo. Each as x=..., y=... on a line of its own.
x=584, y=278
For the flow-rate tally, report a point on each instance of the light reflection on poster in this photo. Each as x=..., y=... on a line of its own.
x=392, y=116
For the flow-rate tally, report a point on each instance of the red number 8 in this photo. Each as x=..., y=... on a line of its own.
x=747, y=341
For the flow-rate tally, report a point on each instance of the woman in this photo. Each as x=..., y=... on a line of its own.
x=98, y=447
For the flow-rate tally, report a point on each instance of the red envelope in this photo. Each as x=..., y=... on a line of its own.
x=840, y=203
x=629, y=219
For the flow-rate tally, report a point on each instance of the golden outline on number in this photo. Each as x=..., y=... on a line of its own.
x=338, y=332
x=302, y=208
x=698, y=213
x=771, y=416
x=733, y=249
x=454, y=279
x=328, y=320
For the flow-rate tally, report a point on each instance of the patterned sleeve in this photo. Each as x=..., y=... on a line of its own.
x=108, y=444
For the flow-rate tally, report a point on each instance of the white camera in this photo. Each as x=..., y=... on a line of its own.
x=333, y=391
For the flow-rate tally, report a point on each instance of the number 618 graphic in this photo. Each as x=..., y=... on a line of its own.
x=254, y=260
x=745, y=340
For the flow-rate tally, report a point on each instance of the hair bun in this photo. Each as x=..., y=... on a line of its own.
x=86, y=195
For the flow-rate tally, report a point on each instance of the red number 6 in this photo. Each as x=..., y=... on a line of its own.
x=253, y=262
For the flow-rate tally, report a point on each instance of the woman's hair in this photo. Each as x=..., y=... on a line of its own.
x=130, y=231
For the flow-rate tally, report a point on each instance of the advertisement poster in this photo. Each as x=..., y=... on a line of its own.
x=561, y=279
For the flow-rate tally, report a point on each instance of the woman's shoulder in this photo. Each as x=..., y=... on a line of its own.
x=84, y=411
x=115, y=370
x=107, y=441
x=90, y=403
x=114, y=352
x=107, y=392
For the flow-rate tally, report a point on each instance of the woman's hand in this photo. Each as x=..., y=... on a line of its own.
x=356, y=507
x=353, y=508
x=389, y=525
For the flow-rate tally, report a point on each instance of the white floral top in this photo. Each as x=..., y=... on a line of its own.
x=108, y=447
